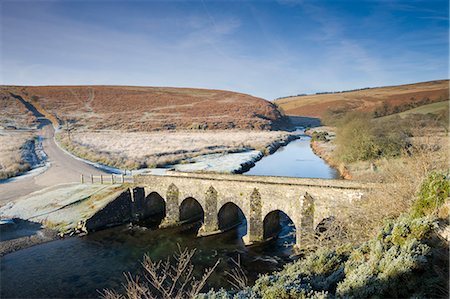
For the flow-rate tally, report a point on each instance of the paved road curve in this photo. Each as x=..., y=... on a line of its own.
x=63, y=168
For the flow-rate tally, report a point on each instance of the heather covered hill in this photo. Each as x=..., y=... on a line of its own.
x=152, y=108
x=380, y=101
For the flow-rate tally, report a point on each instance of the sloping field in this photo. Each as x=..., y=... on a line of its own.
x=425, y=109
x=151, y=108
x=14, y=115
x=381, y=100
x=16, y=135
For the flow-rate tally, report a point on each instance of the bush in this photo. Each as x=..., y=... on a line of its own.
x=394, y=264
x=391, y=265
x=433, y=193
x=359, y=138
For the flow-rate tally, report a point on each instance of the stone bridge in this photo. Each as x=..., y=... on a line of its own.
x=222, y=201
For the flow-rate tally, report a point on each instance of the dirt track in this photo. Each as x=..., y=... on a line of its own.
x=63, y=168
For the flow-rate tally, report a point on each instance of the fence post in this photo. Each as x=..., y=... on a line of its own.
x=92, y=179
x=123, y=178
x=101, y=179
x=82, y=179
x=112, y=179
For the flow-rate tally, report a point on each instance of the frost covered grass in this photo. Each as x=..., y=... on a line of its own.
x=133, y=150
x=13, y=153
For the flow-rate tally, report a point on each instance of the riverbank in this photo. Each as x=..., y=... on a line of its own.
x=324, y=148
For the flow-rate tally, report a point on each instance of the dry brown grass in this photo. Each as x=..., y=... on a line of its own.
x=149, y=149
x=13, y=113
x=151, y=108
x=11, y=155
x=366, y=100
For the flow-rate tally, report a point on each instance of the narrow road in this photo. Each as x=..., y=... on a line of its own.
x=63, y=168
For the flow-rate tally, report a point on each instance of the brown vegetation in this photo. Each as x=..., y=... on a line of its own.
x=14, y=115
x=16, y=123
x=151, y=108
x=382, y=100
x=13, y=153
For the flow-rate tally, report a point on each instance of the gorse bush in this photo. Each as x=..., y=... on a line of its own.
x=390, y=265
x=433, y=192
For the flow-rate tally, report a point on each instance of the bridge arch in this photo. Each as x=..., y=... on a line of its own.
x=153, y=205
x=277, y=224
x=231, y=215
x=191, y=210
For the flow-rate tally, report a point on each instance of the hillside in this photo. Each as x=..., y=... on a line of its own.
x=151, y=108
x=380, y=101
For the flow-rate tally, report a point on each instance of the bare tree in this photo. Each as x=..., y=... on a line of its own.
x=165, y=279
x=237, y=277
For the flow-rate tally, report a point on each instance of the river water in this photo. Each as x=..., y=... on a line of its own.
x=79, y=267
x=295, y=160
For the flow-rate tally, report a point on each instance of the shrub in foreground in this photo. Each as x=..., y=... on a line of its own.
x=433, y=192
x=395, y=264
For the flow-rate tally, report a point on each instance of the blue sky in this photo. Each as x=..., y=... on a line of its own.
x=265, y=48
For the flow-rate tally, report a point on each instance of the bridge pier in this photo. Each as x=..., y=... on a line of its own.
x=255, y=226
x=210, y=223
x=305, y=227
x=172, y=207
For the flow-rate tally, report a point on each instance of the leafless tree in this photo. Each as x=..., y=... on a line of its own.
x=166, y=279
x=237, y=277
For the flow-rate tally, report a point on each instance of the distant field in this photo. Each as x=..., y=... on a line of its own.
x=397, y=98
x=151, y=108
x=133, y=150
x=430, y=108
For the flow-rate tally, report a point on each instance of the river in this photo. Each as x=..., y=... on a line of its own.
x=79, y=267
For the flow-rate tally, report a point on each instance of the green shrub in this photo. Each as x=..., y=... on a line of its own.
x=433, y=193
x=391, y=265
x=359, y=138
